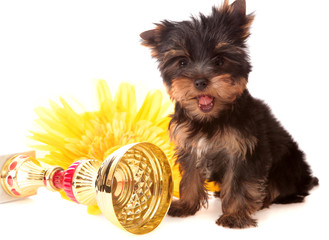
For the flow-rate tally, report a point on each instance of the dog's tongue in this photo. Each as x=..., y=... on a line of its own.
x=205, y=100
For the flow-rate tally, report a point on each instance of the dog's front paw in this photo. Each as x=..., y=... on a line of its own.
x=179, y=208
x=236, y=221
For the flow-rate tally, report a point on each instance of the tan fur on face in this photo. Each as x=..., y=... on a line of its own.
x=225, y=91
x=222, y=87
x=226, y=88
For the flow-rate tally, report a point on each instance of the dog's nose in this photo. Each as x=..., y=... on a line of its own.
x=201, y=84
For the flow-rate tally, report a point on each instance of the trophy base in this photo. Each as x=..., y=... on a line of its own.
x=4, y=196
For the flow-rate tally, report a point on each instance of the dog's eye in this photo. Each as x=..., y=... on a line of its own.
x=182, y=62
x=219, y=61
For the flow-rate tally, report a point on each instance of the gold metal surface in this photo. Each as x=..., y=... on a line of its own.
x=22, y=175
x=134, y=187
x=84, y=182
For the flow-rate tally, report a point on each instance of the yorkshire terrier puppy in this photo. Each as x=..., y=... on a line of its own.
x=221, y=132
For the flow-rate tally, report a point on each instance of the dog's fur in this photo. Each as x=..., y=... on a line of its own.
x=221, y=132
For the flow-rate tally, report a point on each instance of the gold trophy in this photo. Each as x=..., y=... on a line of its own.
x=133, y=187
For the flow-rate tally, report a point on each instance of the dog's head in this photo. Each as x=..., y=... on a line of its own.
x=203, y=62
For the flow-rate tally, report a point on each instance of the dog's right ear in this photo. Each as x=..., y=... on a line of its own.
x=155, y=37
x=150, y=38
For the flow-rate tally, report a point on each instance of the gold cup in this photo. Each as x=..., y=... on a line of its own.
x=133, y=187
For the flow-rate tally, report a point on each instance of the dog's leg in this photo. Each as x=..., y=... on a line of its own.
x=241, y=197
x=193, y=194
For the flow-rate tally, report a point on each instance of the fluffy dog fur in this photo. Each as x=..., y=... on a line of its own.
x=221, y=132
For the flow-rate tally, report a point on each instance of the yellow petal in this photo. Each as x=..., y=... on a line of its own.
x=105, y=101
x=125, y=99
x=93, y=210
x=151, y=107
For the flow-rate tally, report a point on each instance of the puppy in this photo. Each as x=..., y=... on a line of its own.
x=221, y=132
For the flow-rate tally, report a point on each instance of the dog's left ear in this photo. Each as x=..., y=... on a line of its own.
x=238, y=10
x=239, y=7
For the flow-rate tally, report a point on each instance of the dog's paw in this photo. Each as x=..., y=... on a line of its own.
x=181, y=209
x=236, y=221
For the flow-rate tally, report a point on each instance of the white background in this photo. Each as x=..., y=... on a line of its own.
x=57, y=48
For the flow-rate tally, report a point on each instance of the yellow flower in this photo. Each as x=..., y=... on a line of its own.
x=67, y=136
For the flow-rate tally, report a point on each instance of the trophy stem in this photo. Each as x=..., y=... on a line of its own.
x=79, y=181
x=21, y=176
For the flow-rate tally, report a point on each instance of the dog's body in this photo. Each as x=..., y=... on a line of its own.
x=221, y=132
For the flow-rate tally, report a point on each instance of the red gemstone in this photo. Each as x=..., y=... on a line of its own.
x=45, y=182
x=12, y=165
x=10, y=181
x=15, y=192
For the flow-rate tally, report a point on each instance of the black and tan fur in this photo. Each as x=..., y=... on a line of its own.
x=221, y=132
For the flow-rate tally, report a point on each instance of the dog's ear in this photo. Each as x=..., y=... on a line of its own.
x=239, y=7
x=150, y=38
x=237, y=12
x=155, y=37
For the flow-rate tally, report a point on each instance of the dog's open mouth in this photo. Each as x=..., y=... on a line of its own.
x=206, y=102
